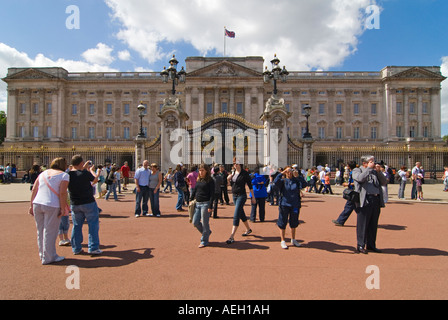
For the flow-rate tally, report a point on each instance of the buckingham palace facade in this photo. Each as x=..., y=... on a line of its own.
x=394, y=113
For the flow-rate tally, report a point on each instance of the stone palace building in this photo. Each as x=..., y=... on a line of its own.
x=394, y=113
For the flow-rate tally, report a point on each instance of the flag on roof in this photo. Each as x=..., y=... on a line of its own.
x=230, y=34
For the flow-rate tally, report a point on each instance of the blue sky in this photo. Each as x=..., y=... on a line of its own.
x=141, y=35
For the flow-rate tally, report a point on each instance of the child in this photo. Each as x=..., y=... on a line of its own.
x=327, y=185
x=419, y=187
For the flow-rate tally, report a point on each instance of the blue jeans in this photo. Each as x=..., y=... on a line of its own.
x=201, y=214
x=143, y=195
x=64, y=225
x=168, y=185
x=180, y=198
x=112, y=188
x=239, y=201
x=154, y=200
x=80, y=213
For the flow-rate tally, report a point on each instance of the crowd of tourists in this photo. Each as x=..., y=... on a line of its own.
x=66, y=189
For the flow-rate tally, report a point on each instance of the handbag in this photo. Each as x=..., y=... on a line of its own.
x=350, y=195
x=191, y=209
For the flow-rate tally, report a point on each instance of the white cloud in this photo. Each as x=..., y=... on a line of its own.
x=124, y=55
x=305, y=34
x=101, y=55
x=11, y=57
x=444, y=70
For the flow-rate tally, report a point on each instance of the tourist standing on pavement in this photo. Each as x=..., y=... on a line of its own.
x=238, y=180
x=402, y=173
x=155, y=181
x=48, y=205
x=203, y=193
x=113, y=176
x=368, y=180
x=289, y=204
x=349, y=205
x=259, y=192
x=141, y=178
x=415, y=171
x=83, y=205
x=218, y=179
x=34, y=173
x=181, y=187
x=125, y=172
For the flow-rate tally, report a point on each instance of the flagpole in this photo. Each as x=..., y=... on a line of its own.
x=224, y=41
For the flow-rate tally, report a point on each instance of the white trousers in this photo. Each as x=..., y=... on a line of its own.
x=47, y=223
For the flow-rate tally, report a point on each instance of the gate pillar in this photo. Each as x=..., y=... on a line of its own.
x=173, y=118
x=276, y=121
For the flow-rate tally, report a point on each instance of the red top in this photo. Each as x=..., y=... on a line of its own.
x=125, y=171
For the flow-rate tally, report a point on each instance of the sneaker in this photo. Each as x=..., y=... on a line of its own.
x=79, y=252
x=96, y=252
x=283, y=245
x=64, y=242
x=295, y=243
x=59, y=259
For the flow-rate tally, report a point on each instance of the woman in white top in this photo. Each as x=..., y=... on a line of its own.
x=48, y=205
x=403, y=178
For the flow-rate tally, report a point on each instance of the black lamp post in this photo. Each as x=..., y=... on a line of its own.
x=171, y=74
x=141, y=109
x=277, y=73
x=307, y=134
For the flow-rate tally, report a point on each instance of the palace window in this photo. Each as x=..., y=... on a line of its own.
x=321, y=108
x=109, y=133
x=109, y=109
x=224, y=107
x=399, y=132
x=49, y=108
x=373, y=110
x=91, y=133
x=339, y=109
x=126, y=133
x=321, y=133
x=373, y=133
x=91, y=109
x=49, y=133
x=356, y=109
x=425, y=108
x=399, y=107
x=412, y=132
x=339, y=133
x=74, y=109
x=35, y=108
x=356, y=133
x=126, y=109
x=35, y=132
x=239, y=108
x=412, y=107
x=209, y=108
x=74, y=133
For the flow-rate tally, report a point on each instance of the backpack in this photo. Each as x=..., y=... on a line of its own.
x=110, y=178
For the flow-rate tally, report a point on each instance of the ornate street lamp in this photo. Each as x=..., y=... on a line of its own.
x=277, y=73
x=171, y=74
x=307, y=134
x=141, y=109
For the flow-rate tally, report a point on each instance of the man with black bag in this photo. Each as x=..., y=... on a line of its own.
x=350, y=205
x=368, y=181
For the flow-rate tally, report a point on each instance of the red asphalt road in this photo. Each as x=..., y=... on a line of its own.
x=159, y=258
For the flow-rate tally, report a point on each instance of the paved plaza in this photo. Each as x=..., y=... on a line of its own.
x=158, y=258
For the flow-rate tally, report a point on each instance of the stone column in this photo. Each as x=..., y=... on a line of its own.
x=276, y=122
x=173, y=118
x=11, y=119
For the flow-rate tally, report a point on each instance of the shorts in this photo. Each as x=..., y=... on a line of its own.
x=288, y=213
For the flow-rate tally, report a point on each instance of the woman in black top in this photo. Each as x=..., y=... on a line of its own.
x=238, y=180
x=204, y=193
